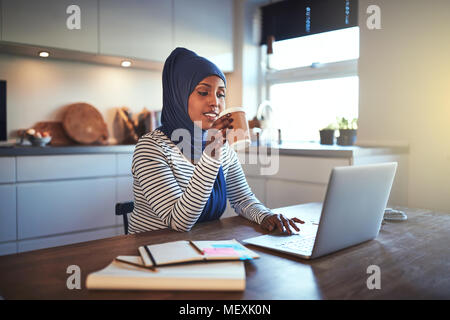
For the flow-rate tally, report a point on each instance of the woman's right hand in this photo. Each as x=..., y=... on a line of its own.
x=217, y=136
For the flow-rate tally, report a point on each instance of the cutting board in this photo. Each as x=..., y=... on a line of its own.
x=84, y=124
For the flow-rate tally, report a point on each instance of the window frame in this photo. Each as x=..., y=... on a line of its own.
x=315, y=71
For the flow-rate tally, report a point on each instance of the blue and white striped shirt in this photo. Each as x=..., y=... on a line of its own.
x=170, y=191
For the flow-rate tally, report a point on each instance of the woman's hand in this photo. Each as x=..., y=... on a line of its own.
x=217, y=136
x=280, y=222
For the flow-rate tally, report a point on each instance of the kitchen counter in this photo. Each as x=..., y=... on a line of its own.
x=308, y=149
x=17, y=150
x=314, y=149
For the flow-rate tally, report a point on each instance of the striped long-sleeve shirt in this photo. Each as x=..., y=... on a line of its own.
x=171, y=192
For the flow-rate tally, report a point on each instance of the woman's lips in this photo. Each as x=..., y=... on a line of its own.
x=211, y=116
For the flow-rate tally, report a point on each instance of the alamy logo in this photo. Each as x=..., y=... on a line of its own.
x=374, y=20
x=73, y=22
x=74, y=280
x=374, y=280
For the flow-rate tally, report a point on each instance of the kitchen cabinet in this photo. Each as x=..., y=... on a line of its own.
x=136, y=28
x=56, y=167
x=257, y=185
x=57, y=199
x=8, y=248
x=35, y=244
x=8, y=212
x=283, y=193
x=297, y=179
x=7, y=169
x=293, y=179
x=206, y=27
x=48, y=208
x=124, y=162
x=44, y=23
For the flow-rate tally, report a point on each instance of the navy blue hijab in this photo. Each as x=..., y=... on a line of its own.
x=183, y=70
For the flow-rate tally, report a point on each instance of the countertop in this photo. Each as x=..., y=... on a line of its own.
x=309, y=149
x=18, y=150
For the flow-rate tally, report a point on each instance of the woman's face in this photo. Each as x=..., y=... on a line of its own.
x=207, y=101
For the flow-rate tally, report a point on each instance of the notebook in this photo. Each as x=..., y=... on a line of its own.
x=194, y=251
x=129, y=273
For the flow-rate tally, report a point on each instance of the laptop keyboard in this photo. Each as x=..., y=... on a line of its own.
x=300, y=244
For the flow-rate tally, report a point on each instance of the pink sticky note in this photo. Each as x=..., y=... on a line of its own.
x=221, y=252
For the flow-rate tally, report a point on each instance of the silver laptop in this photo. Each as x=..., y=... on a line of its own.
x=351, y=213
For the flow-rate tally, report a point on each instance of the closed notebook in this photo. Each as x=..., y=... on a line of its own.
x=128, y=273
x=192, y=251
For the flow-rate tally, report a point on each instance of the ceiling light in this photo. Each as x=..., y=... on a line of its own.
x=125, y=63
x=44, y=54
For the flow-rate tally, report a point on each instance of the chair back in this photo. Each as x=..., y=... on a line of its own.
x=123, y=209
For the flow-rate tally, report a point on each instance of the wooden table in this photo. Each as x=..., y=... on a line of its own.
x=413, y=256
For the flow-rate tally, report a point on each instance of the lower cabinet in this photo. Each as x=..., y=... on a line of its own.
x=70, y=199
x=302, y=179
x=293, y=180
x=8, y=248
x=47, y=242
x=8, y=212
x=48, y=208
x=287, y=193
x=257, y=187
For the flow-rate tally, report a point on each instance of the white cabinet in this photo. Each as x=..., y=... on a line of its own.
x=8, y=212
x=38, y=168
x=206, y=27
x=52, y=200
x=286, y=193
x=124, y=162
x=292, y=179
x=46, y=242
x=307, y=169
x=303, y=179
x=46, y=208
x=136, y=28
x=8, y=248
x=7, y=169
x=44, y=23
x=257, y=185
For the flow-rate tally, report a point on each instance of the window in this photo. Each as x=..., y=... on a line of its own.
x=312, y=80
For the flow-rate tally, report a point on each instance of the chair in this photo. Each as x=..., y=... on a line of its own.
x=123, y=209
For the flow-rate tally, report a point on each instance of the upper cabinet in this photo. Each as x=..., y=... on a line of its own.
x=67, y=24
x=141, y=29
x=136, y=28
x=206, y=27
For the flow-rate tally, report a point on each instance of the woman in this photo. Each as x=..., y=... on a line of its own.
x=184, y=171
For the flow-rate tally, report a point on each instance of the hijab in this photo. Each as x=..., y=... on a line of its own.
x=182, y=72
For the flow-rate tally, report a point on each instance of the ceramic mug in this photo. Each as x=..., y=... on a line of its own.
x=239, y=137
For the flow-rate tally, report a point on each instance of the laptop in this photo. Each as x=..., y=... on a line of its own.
x=351, y=213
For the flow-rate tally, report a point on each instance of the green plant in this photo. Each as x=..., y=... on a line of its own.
x=344, y=124
x=331, y=126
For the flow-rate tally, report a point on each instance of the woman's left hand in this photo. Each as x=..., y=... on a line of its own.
x=280, y=222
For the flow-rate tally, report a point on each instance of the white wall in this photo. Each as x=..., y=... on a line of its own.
x=404, y=74
x=244, y=81
x=38, y=89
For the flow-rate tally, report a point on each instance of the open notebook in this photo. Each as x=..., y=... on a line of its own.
x=128, y=273
x=194, y=251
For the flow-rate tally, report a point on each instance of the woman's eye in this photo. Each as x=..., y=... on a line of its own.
x=221, y=95
x=203, y=93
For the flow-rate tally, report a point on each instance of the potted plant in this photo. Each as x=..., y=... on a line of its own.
x=347, y=131
x=327, y=134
